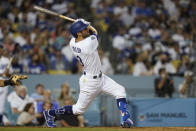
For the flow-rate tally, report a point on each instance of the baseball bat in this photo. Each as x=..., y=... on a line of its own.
x=7, y=68
x=44, y=10
x=10, y=62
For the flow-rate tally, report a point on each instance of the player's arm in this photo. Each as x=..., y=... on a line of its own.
x=5, y=73
x=92, y=29
x=5, y=83
x=1, y=83
x=15, y=110
x=30, y=119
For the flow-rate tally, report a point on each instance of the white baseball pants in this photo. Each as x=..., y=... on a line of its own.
x=90, y=88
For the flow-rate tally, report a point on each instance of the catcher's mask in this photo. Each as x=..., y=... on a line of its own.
x=77, y=27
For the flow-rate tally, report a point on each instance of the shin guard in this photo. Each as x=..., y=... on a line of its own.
x=122, y=106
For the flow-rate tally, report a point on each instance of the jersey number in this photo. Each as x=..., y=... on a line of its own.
x=80, y=60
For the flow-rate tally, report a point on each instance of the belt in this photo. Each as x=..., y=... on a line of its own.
x=95, y=76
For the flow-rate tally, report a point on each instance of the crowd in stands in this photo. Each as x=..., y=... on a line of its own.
x=136, y=37
x=26, y=110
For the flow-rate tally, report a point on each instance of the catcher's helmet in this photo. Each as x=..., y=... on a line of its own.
x=77, y=27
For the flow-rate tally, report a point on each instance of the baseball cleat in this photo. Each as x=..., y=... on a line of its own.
x=49, y=119
x=127, y=124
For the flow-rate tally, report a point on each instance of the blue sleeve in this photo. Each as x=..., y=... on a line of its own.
x=42, y=67
x=52, y=62
x=95, y=35
x=74, y=62
x=39, y=107
x=34, y=95
x=55, y=105
x=92, y=33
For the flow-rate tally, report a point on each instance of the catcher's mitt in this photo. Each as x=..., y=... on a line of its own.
x=15, y=79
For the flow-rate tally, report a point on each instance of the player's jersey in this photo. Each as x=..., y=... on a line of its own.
x=3, y=64
x=86, y=52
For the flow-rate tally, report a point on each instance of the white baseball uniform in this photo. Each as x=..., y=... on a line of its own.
x=92, y=82
x=3, y=91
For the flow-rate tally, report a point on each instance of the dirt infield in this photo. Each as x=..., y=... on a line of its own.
x=99, y=129
x=163, y=129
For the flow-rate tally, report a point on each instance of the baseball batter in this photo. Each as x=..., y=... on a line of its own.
x=84, y=46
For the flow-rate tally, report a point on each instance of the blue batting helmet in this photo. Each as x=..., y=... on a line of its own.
x=77, y=27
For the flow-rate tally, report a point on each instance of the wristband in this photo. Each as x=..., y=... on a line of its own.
x=7, y=82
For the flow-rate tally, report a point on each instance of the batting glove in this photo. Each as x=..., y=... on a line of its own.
x=83, y=21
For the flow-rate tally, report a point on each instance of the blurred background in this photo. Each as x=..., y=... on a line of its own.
x=148, y=46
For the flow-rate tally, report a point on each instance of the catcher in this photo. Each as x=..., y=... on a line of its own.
x=13, y=80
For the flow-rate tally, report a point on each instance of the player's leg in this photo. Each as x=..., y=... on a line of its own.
x=88, y=91
x=112, y=88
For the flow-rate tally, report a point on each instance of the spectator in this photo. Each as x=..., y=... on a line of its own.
x=38, y=95
x=16, y=66
x=13, y=95
x=164, y=62
x=43, y=59
x=171, y=7
x=71, y=120
x=63, y=45
x=65, y=92
x=35, y=67
x=66, y=51
x=184, y=65
x=106, y=65
x=60, y=6
x=121, y=11
x=125, y=66
x=47, y=97
x=42, y=22
x=164, y=85
x=62, y=39
x=142, y=9
x=9, y=44
x=28, y=116
x=140, y=68
x=31, y=16
x=21, y=100
x=59, y=62
x=46, y=105
x=167, y=25
x=21, y=39
x=187, y=89
x=119, y=41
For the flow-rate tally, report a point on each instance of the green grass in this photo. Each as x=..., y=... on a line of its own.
x=61, y=129
x=99, y=129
